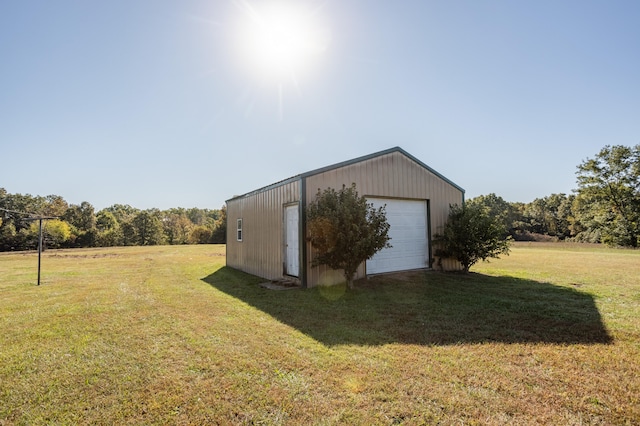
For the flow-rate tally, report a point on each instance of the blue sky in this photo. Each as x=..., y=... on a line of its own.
x=150, y=103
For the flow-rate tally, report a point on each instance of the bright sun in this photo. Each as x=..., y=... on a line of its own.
x=280, y=40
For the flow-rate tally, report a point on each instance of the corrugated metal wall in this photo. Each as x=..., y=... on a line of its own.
x=392, y=175
x=261, y=251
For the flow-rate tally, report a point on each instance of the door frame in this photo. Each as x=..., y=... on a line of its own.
x=286, y=257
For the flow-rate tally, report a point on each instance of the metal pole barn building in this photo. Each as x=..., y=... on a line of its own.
x=266, y=234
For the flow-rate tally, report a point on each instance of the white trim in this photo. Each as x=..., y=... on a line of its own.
x=292, y=239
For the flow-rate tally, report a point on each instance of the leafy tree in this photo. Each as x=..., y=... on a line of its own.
x=585, y=227
x=197, y=216
x=105, y=221
x=345, y=230
x=200, y=235
x=129, y=233
x=537, y=216
x=108, y=228
x=81, y=216
x=177, y=228
x=124, y=215
x=219, y=234
x=24, y=239
x=609, y=193
x=7, y=236
x=122, y=212
x=55, y=232
x=82, y=219
x=14, y=231
x=498, y=208
x=550, y=215
x=148, y=228
x=564, y=215
x=109, y=238
x=520, y=225
x=470, y=235
x=55, y=206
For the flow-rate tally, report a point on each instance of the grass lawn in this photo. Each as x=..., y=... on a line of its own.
x=168, y=335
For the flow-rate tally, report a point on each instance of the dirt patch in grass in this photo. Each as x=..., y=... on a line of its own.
x=84, y=256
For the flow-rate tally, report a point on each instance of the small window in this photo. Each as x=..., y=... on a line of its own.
x=239, y=230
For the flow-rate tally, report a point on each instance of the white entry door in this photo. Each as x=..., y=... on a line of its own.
x=292, y=249
x=408, y=231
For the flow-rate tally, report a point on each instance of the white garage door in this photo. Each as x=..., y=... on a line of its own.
x=408, y=232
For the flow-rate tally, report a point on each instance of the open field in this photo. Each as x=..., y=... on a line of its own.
x=168, y=335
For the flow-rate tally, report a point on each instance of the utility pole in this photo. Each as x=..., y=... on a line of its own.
x=40, y=219
x=39, y=250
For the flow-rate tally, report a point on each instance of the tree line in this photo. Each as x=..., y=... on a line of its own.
x=79, y=225
x=605, y=208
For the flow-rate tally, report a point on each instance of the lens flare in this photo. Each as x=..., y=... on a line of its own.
x=281, y=40
x=332, y=285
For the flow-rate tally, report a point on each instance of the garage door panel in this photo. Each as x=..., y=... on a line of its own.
x=408, y=232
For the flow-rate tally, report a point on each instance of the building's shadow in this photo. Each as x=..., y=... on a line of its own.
x=427, y=308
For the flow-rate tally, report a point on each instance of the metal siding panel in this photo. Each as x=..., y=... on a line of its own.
x=391, y=175
x=371, y=173
x=261, y=251
x=413, y=181
x=378, y=178
x=407, y=174
x=384, y=188
x=398, y=187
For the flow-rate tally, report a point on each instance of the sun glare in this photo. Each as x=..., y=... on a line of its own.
x=280, y=40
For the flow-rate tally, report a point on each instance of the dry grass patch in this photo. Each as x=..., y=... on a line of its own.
x=168, y=335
